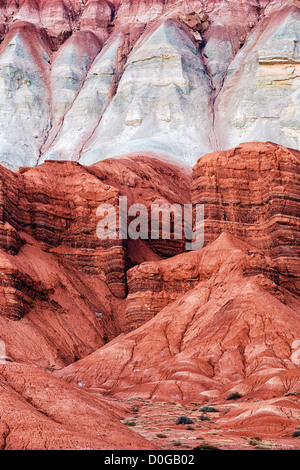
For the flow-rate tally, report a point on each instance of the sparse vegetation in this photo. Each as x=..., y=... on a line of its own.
x=234, y=396
x=204, y=418
x=161, y=436
x=130, y=423
x=254, y=441
x=177, y=444
x=205, y=446
x=296, y=433
x=184, y=420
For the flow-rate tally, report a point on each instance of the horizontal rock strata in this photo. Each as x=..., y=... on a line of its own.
x=90, y=80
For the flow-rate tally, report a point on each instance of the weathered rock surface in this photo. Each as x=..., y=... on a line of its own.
x=154, y=83
x=62, y=288
x=224, y=319
x=236, y=330
x=95, y=79
x=252, y=191
x=40, y=412
x=261, y=90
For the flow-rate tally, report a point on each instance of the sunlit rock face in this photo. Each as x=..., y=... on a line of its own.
x=86, y=80
x=260, y=95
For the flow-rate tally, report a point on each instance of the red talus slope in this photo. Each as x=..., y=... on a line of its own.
x=64, y=285
x=224, y=318
x=231, y=328
x=40, y=412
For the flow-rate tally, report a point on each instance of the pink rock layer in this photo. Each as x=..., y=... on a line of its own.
x=150, y=321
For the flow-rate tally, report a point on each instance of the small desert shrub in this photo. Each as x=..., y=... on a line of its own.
x=296, y=433
x=130, y=423
x=234, y=396
x=288, y=394
x=204, y=418
x=177, y=444
x=208, y=409
x=161, y=436
x=184, y=420
x=190, y=428
x=206, y=447
x=254, y=441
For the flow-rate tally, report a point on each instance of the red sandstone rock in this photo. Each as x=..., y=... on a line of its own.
x=234, y=330
x=62, y=288
x=252, y=191
x=205, y=324
x=143, y=181
x=197, y=326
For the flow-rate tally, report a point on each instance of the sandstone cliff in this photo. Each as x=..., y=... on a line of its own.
x=127, y=319
x=159, y=102
x=87, y=80
x=66, y=285
x=223, y=319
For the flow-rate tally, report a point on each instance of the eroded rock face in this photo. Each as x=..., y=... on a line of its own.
x=195, y=327
x=261, y=91
x=235, y=329
x=162, y=89
x=223, y=319
x=252, y=191
x=89, y=80
x=50, y=414
x=62, y=288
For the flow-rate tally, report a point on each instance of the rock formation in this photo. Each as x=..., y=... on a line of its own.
x=88, y=80
x=236, y=330
x=128, y=318
x=252, y=191
x=111, y=104
x=41, y=412
x=65, y=284
x=223, y=319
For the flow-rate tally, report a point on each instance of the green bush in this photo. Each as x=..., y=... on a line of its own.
x=204, y=418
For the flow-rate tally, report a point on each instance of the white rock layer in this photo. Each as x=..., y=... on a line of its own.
x=77, y=84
